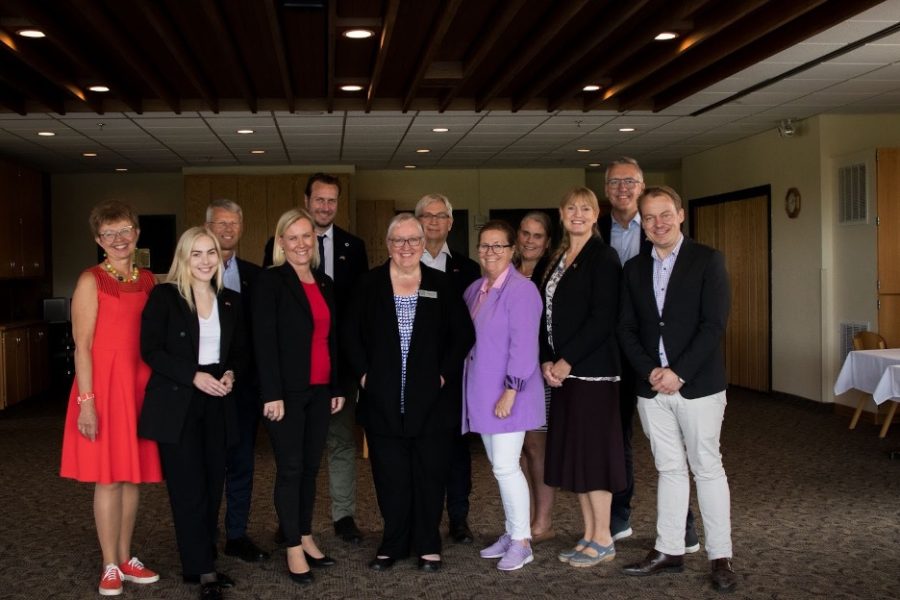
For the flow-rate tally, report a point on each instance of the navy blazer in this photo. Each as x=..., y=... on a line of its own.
x=695, y=314
x=170, y=345
x=605, y=227
x=442, y=336
x=283, y=330
x=462, y=271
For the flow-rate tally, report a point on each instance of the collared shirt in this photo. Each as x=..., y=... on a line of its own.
x=438, y=262
x=626, y=241
x=231, y=278
x=328, y=243
x=483, y=292
x=662, y=272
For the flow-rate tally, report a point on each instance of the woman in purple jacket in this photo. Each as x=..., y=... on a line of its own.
x=504, y=391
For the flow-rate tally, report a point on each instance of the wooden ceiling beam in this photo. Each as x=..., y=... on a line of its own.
x=509, y=72
x=599, y=37
x=814, y=22
x=729, y=40
x=284, y=67
x=384, y=43
x=29, y=90
x=719, y=18
x=495, y=28
x=620, y=51
x=331, y=43
x=228, y=45
x=63, y=39
x=435, y=39
x=120, y=44
x=161, y=23
x=13, y=102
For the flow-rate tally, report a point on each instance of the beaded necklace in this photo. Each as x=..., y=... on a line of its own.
x=135, y=273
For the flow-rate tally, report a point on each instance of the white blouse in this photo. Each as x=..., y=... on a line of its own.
x=210, y=334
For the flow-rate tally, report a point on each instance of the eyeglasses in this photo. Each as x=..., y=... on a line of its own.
x=434, y=216
x=629, y=183
x=414, y=242
x=495, y=248
x=126, y=233
x=224, y=224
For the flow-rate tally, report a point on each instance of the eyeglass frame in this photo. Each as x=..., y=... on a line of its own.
x=412, y=242
x=629, y=182
x=434, y=216
x=224, y=224
x=127, y=233
x=493, y=248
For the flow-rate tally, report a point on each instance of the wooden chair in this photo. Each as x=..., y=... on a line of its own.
x=867, y=340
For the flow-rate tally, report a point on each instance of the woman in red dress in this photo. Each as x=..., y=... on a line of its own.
x=100, y=441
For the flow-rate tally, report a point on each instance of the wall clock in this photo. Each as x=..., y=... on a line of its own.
x=792, y=203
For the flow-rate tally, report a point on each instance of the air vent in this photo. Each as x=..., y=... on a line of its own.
x=852, y=202
x=848, y=330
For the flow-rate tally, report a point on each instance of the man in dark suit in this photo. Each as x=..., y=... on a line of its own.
x=224, y=219
x=435, y=213
x=674, y=310
x=344, y=260
x=622, y=230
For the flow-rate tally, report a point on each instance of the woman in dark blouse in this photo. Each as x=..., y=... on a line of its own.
x=294, y=339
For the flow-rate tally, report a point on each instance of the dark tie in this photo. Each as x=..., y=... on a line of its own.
x=321, y=268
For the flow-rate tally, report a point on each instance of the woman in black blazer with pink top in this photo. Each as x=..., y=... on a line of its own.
x=296, y=353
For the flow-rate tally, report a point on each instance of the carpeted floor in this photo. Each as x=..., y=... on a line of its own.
x=815, y=510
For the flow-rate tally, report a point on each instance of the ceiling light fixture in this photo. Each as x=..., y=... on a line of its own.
x=665, y=36
x=244, y=131
x=352, y=88
x=787, y=128
x=591, y=88
x=121, y=170
x=46, y=133
x=32, y=33
x=423, y=150
x=89, y=154
x=583, y=150
x=594, y=165
x=440, y=129
x=626, y=129
x=100, y=89
x=257, y=152
x=358, y=34
x=409, y=166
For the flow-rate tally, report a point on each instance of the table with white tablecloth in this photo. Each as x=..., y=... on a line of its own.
x=876, y=372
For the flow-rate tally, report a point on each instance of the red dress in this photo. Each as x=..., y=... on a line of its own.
x=119, y=380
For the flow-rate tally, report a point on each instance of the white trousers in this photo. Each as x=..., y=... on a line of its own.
x=686, y=432
x=504, y=450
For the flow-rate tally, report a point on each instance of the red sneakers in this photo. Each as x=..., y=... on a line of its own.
x=135, y=572
x=111, y=581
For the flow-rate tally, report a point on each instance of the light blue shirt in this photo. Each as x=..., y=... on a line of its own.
x=627, y=242
x=328, y=243
x=231, y=279
x=662, y=272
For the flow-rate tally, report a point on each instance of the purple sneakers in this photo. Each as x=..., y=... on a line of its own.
x=497, y=549
x=516, y=557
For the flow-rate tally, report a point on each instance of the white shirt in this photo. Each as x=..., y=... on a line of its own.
x=210, y=333
x=328, y=243
x=438, y=262
x=626, y=241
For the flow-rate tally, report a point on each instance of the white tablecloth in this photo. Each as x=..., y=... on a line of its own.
x=874, y=371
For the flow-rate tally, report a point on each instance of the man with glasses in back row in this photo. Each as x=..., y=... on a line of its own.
x=435, y=213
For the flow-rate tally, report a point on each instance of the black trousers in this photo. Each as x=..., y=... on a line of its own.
x=620, y=512
x=298, y=441
x=195, y=474
x=240, y=463
x=459, y=479
x=410, y=475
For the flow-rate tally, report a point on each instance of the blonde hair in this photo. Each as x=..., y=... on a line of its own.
x=180, y=272
x=285, y=221
x=573, y=195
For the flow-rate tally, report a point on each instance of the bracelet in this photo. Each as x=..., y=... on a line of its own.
x=82, y=398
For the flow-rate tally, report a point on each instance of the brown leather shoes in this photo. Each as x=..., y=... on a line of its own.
x=656, y=562
x=723, y=577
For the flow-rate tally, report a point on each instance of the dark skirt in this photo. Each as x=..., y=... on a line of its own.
x=584, y=438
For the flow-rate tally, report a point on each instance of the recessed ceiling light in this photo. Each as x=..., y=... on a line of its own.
x=257, y=152
x=440, y=129
x=409, y=166
x=89, y=154
x=359, y=34
x=46, y=133
x=99, y=88
x=591, y=88
x=583, y=150
x=594, y=165
x=31, y=33
x=244, y=131
x=665, y=36
x=626, y=129
x=423, y=150
x=121, y=170
x=352, y=88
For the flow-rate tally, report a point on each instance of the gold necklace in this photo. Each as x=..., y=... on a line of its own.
x=135, y=273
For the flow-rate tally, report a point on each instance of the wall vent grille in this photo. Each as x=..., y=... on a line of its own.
x=852, y=198
x=848, y=330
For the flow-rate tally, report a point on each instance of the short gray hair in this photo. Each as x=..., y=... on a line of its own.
x=402, y=218
x=624, y=160
x=428, y=199
x=225, y=204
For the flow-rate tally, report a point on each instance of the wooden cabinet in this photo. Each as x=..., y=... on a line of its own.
x=21, y=222
x=24, y=356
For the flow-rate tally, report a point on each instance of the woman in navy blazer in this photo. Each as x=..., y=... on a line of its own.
x=192, y=339
x=580, y=362
x=296, y=354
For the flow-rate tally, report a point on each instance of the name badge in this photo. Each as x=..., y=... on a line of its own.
x=427, y=294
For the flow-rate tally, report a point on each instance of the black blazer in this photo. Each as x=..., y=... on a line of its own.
x=605, y=227
x=248, y=273
x=350, y=263
x=170, y=342
x=585, y=307
x=694, y=318
x=462, y=271
x=282, y=333
x=442, y=336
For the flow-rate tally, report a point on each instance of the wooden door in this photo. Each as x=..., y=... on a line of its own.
x=8, y=228
x=739, y=227
x=30, y=203
x=38, y=360
x=888, y=211
x=15, y=354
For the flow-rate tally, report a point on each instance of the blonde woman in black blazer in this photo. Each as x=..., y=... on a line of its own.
x=296, y=355
x=192, y=339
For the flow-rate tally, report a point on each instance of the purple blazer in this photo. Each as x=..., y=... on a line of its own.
x=505, y=356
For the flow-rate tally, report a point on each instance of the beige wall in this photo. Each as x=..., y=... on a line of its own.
x=72, y=198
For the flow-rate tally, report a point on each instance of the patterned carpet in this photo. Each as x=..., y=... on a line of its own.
x=816, y=513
